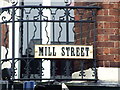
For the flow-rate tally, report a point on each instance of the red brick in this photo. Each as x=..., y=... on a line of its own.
x=99, y=51
x=100, y=63
x=105, y=37
x=83, y=41
x=106, y=11
x=100, y=18
x=85, y=34
x=91, y=33
x=77, y=17
x=100, y=38
x=100, y=25
x=115, y=64
x=116, y=58
x=77, y=42
x=114, y=25
x=100, y=12
x=80, y=3
x=77, y=30
x=100, y=31
x=116, y=5
x=114, y=31
x=110, y=25
x=114, y=37
x=105, y=57
x=116, y=44
x=91, y=39
x=77, y=25
x=110, y=6
x=113, y=50
x=106, y=51
x=118, y=51
x=105, y=44
x=119, y=22
x=78, y=36
x=106, y=63
x=108, y=18
x=108, y=31
x=114, y=12
x=106, y=25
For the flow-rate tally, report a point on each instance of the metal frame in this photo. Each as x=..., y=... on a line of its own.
x=39, y=19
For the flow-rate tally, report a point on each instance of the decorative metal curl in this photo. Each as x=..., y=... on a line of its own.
x=68, y=2
x=6, y=15
x=60, y=32
x=5, y=40
x=13, y=2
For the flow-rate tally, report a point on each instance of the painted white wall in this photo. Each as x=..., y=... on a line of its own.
x=107, y=75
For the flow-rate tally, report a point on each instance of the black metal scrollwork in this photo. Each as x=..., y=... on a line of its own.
x=63, y=21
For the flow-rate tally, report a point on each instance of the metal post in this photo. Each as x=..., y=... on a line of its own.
x=21, y=24
x=13, y=41
x=40, y=61
x=40, y=12
x=53, y=29
x=0, y=54
x=67, y=42
x=95, y=34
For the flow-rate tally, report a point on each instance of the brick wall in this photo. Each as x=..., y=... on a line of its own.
x=108, y=39
x=4, y=35
x=108, y=30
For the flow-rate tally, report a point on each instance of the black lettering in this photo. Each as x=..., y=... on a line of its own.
x=45, y=51
x=82, y=51
x=77, y=51
x=68, y=49
x=63, y=52
x=87, y=49
x=49, y=53
x=40, y=51
x=72, y=51
x=54, y=53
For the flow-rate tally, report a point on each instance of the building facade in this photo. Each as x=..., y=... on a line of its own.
x=98, y=27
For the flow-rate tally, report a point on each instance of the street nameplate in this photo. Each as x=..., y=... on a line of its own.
x=64, y=51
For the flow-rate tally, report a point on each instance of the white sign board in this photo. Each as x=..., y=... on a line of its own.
x=64, y=51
